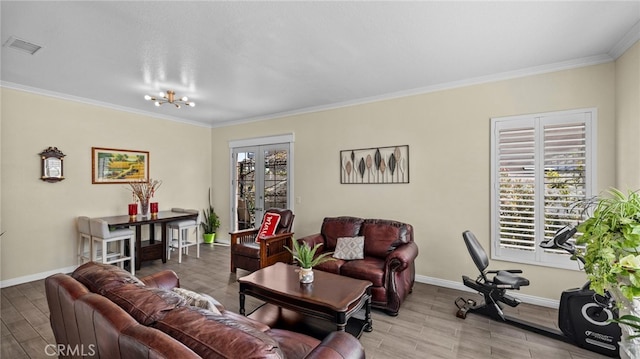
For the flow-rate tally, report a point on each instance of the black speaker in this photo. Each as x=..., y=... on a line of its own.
x=582, y=319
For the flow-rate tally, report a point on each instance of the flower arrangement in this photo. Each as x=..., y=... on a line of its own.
x=144, y=191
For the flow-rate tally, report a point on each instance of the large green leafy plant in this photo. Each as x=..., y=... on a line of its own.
x=211, y=221
x=612, y=256
x=612, y=239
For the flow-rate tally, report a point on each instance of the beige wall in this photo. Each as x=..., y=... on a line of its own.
x=447, y=131
x=38, y=217
x=449, y=140
x=628, y=119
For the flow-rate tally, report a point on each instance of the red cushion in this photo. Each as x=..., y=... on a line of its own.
x=268, y=226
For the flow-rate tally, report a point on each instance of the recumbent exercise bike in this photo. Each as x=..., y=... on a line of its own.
x=583, y=317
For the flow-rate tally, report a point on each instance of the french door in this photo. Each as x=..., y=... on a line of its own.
x=261, y=180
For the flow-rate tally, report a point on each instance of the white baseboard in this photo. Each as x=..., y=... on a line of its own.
x=36, y=276
x=530, y=299
x=544, y=302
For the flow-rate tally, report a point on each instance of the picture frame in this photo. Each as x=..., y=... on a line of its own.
x=111, y=165
x=52, y=165
x=376, y=165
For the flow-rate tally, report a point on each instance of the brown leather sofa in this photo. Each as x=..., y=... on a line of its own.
x=101, y=311
x=389, y=255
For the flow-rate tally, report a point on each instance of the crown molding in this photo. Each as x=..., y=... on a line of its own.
x=626, y=42
x=62, y=96
x=531, y=71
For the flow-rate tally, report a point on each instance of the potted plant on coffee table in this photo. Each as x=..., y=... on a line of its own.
x=612, y=259
x=307, y=259
x=210, y=223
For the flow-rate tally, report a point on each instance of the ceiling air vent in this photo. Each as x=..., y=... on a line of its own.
x=22, y=45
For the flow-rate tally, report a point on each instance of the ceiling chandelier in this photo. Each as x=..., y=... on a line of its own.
x=169, y=97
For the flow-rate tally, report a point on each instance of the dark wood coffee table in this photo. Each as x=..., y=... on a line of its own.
x=330, y=297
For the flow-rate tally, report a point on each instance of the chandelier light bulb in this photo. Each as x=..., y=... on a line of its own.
x=169, y=97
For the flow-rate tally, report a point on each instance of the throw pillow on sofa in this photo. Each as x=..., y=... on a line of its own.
x=198, y=300
x=349, y=248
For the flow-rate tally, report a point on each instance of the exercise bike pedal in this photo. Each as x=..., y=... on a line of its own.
x=463, y=306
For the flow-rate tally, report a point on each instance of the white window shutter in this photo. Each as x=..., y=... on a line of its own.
x=542, y=165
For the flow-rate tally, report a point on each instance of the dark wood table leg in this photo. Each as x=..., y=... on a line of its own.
x=368, y=326
x=138, y=247
x=341, y=321
x=163, y=236
x=242, y=303
x=152, y=233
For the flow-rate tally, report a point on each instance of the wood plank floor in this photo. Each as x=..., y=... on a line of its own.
x=425, y=328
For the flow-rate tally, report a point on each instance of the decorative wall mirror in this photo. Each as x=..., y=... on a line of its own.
x=52, y=164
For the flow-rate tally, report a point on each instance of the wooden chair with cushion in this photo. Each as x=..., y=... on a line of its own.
x=251, y=251
x=112, y=244
x=182, y=228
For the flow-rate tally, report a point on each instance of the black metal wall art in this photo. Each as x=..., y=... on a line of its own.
x=375, y=165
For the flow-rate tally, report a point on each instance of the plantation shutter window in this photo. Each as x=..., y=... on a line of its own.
x=542, y=165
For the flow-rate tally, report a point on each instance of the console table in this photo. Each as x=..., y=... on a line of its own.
x=149, y=249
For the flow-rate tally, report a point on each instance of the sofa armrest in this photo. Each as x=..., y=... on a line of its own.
x=338, y=345
x=312, y=240
x=166, y=279
x=399, y=259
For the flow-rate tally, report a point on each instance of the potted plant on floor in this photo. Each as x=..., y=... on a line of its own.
x=306, y=258
x=612, y=259
x=210, y=223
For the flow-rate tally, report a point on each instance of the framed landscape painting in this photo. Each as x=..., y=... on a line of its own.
x=110, y=165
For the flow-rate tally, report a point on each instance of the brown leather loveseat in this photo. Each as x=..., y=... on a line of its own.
x=101, y=311
x=389, y=255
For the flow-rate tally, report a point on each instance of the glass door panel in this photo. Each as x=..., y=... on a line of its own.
x=261, y=181
x=245, y=189
x=275, y=178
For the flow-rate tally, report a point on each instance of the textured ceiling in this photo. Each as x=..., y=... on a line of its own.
x=246, y=61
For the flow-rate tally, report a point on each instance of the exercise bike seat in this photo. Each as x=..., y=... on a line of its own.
x=504, y=279
x=510, y=279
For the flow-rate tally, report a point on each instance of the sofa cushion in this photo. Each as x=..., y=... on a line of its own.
x=145, y=304
x=247, y=249
x=198, y=300
x=382, y=236
x=369, y=268
x=331, y=266
x=334, y=228
x=216, y=336
x=100, y=278
x=349, y=248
